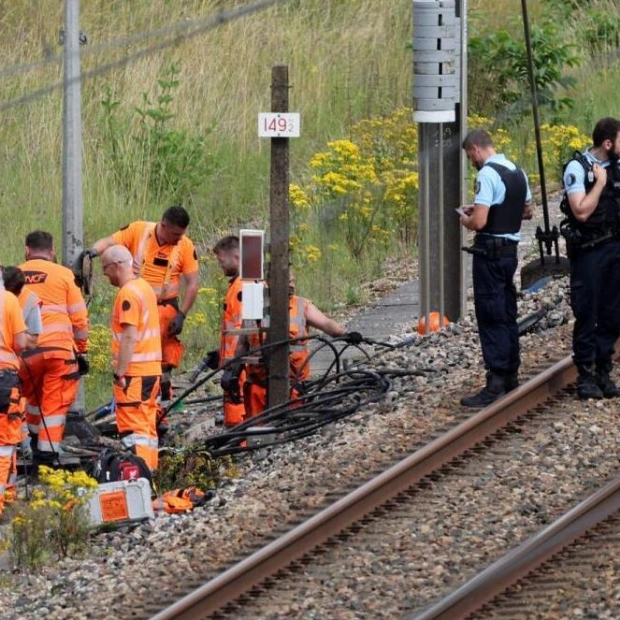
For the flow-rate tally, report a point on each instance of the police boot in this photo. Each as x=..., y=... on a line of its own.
x=494, y=389
x=605, y=382
x=511, y=381
x=587, y=385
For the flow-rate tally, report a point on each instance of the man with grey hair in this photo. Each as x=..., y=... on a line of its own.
x=136, y=355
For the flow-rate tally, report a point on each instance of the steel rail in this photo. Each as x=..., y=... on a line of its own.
x=240, y=578
x=522, y=560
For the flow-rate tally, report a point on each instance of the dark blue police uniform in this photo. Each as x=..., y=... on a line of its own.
x=594, y=253
x=502, y=187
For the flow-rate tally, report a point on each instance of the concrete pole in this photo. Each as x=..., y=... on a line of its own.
x=279, y=248
x=72, y=202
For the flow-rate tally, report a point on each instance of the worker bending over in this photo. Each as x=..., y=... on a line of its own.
x=163, y=256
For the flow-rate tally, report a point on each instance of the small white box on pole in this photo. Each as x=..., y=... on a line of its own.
x=252, y=300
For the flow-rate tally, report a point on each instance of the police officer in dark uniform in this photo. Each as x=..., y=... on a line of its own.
x=592, y=232
x=502, y=199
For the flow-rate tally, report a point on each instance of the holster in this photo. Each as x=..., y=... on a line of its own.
x=492, y=247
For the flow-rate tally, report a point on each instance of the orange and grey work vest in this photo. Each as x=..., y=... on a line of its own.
x=299, y=369
x=231, y=320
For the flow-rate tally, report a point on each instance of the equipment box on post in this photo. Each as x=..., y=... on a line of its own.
x=122, y=501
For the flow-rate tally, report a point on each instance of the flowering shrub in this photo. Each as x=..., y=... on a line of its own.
x=55, y=523
x=365, y=186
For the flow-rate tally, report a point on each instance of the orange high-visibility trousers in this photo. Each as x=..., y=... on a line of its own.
x=254, y=399
x=234, y=413
x=136, y=415
x=50, y=381
x=10, y=430
x=171, y=347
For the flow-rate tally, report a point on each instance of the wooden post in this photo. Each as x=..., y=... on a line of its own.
x=279, y=250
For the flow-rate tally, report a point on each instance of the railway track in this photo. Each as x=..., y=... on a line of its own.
x=250, y=587
x=520, y=583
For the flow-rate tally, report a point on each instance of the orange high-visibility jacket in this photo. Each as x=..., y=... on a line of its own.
x=160, y=265
x=63, y=310
x=299, y=369
x=231, y=320
x=11, y=324
x=136, y=305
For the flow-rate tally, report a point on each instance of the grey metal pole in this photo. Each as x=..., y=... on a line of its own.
x=72, y=202
x=437, y=84
x=462, y=112
x=278, y=392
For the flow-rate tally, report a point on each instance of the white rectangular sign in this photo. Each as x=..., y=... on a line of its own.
x=279, y=125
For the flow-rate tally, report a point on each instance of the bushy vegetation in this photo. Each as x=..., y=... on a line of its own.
x=54, y=524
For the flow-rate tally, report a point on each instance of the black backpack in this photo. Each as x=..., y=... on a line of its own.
x=113, y=465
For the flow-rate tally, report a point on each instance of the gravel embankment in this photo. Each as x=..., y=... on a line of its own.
x=125, y=570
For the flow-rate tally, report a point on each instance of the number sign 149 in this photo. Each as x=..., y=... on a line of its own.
x=278, y=125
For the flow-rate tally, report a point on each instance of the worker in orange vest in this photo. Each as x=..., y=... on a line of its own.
x=226, y=251
x=12, y=341
x=303, y=314
x=165, y=257
x=136, y=355
x=50, y=372
x=14, y=281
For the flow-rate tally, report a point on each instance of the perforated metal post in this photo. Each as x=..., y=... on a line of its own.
x=438, y=100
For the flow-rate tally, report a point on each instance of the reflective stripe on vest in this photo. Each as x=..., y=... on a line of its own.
x=143, y=336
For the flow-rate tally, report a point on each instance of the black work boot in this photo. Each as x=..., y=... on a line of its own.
x=605, y=382
x=78, y=426
x=511, y=381
x=587, y=384
x=494, y=389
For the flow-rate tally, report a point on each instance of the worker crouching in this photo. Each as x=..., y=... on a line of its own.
x=136, y=354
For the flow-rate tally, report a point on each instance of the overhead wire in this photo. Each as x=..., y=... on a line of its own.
x=182, y=32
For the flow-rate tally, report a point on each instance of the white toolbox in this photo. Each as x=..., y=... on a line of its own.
x=122, y=501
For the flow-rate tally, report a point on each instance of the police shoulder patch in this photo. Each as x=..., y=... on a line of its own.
x=476, y=187
x=126, y=305
x=570, y=180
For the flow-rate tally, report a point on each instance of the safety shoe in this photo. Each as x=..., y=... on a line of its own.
x=511, y=381
x=587, y=387
x=494, y=389
x=606, y=385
